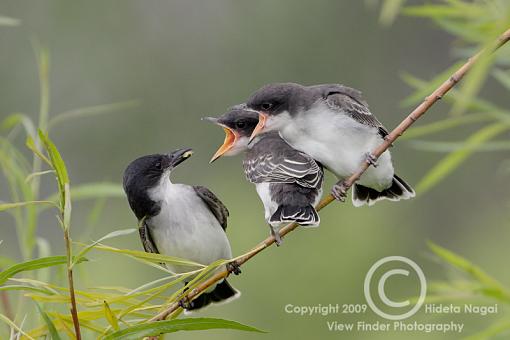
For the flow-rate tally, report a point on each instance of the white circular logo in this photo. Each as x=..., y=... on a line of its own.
x=382, y=282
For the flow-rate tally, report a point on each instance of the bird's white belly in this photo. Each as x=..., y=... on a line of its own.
x=265, y=196
x=340, y=144
x=186, y=228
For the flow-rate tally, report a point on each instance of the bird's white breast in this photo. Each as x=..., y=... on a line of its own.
x=264, y=193
x=339, y=142
x=185, y=227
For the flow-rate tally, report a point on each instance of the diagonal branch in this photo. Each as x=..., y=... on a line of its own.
x=397, y=132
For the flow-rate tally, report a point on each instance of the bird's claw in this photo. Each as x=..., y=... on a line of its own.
x=339, y=191
x=371, y=159
x=185, y=303
x=276, y=234
x=233, y=267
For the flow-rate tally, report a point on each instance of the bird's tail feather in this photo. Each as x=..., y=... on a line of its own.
x=305, y=216
x=222, y=293
x=399, y=190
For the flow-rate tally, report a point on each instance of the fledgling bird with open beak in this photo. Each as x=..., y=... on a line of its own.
x=332, y=124
x=185, y=221
x=288, y=182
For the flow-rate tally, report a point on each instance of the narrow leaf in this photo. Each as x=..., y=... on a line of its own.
x=490, y=283
x=19, y=118
x=37, y=174
x=7, y=206
x=14, y=326
x=454, y=146
x=56, y=159
x=31, y=145
x=472, y=83
x=26, y=288
x=51, y=327
x=91, y=111
x=157, y=258
x=43, y=262
x=110, y=316
x=171, y=326
x=94, y=190
x=424, y=88
x=454, y=159
x=446, y=124
x=389, y=11
x=113, y=234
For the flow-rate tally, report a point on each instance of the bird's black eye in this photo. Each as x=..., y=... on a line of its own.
x=158, y=165
x=240, y=124
x=267, y=106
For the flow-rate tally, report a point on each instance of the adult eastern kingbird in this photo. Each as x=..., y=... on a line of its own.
x=288, y=182
x=332, y=124
x=179, y=220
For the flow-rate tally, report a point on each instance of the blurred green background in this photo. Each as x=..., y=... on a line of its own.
x=183, y=60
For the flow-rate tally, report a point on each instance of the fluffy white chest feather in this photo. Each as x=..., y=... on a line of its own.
x=264, y=193
x=185, y=227
x=337, y=141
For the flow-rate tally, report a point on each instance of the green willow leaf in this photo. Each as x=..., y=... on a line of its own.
x=94, y=190
x=171, y=326
x=43, y=262
x=446, y=124
x=7, y=206
x=30, y=143
x=62, y=178
x=454, y=146
x=88, y=248
x=19, y=118
x=491, y=286
x=454, y=159
x=56, y=160
x=472, y=83
x=425, y=88
x=14, y=326
x=110, y=316
x=389, y=11
x=91, y=111
x=152, y=257
x=51, y=326
x=26, y=288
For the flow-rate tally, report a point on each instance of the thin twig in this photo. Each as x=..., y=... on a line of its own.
x=390, y=139
x=74, y=311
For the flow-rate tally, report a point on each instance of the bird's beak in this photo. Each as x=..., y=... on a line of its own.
x=211, y=119
x=179, y=156
x=260, y=126
x=230, y=139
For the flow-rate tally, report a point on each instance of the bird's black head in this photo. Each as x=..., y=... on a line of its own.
x=145, y=173
x=239, y=120
x=276, y=103
x=276, y=98
x=238, y=124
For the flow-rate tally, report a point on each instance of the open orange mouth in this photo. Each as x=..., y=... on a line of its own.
x=260, y=126
x=230, y=140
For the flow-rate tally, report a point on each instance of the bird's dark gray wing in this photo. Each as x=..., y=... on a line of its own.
x=145, y=236
x=291, y=166
x=349, y=101
x=218, y=209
